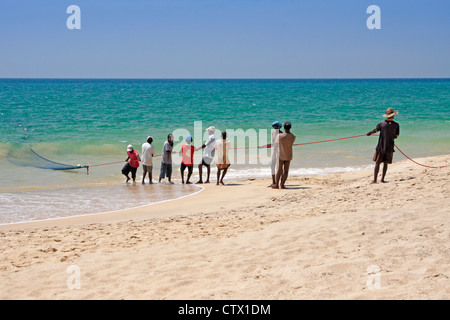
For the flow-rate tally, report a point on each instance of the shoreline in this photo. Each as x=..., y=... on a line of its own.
x=234, y=179
x=136, y=212
x=243, y=240
x=100, y=213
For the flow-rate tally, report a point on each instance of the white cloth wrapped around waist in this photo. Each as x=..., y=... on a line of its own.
x=222, y=149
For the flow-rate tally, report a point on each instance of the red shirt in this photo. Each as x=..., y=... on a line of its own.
x=134, y=158
x=188, y=155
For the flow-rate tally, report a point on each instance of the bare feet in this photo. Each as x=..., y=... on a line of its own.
x=199, y=182
x=274, y=186
x=207, y=181
x=188, y=182
x=374, y=182
x=221, y=182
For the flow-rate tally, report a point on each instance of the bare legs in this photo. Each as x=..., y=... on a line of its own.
x=200, y=171
x=219, y=179
x=282, y=174
x=150, y=177
x=188, y=176
x=377, y=170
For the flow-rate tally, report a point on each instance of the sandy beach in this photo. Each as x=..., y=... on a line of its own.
x=326, y=237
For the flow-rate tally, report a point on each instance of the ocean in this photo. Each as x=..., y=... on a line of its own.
x=91, y=122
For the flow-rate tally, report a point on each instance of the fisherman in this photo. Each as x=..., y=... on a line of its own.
x=132, y=163
x=208, y=156
x=166, y=161
x=223, y=160
x=275, y=149
x=187, y=159
x=286, y=141
x=148, y=152
x=384, y=151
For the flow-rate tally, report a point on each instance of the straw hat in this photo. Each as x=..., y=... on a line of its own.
x=390, y=113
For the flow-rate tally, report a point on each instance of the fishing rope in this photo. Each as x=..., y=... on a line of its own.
x=61, y=166
x=417, y=162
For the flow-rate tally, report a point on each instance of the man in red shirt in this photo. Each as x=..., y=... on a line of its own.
x=187, y=160
x=132, y=163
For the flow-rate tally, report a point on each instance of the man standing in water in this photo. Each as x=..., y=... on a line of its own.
x=285, y=143
x=208, y=156
x=132, y=163
x=223, y=160
x=148, y=152
x=166, y=161
x=187, y=160
x=384, y=152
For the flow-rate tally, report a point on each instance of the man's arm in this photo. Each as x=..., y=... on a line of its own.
x=372, y=132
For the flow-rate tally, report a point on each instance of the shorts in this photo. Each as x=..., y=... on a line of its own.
x=127, y=168
x=147, y=168
x=166, y=170
x=379, y=157
x=206, y=161
x=183, y=167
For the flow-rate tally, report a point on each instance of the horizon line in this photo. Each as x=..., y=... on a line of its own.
x=207, y=78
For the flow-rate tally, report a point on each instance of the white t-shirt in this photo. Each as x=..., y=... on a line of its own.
x=209, y=149
x=148, y=152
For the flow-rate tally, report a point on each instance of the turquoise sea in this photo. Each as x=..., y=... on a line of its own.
x=90, y=122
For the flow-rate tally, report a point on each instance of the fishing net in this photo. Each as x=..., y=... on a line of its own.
x=22, y=154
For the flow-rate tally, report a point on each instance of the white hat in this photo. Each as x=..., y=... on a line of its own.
x=130, y=147
x=212, y=128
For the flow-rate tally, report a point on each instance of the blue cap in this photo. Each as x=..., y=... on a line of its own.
x=277, y=123
x=189, y=138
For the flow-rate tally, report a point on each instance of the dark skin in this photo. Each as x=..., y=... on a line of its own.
x=200, y=168
x=150, y=174
x=283, y=171
x=220, y=180
x=219, y=170
x=377, y=166
x=276, y=127
x=170, y=139
x=126, y=160
x=188, y=177
x=189, y=173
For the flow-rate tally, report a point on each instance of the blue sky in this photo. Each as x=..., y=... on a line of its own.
x=224, y=39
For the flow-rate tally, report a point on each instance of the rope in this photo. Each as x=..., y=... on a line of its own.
x=305, y=143
x=68, y=167
x=417, y=162
x=300, y=144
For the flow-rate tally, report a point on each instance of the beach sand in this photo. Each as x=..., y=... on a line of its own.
x=326, y=237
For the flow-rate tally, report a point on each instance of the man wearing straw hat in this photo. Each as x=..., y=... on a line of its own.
x=384, y=152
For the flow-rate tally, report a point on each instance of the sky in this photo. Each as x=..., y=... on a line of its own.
x=224, y=39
